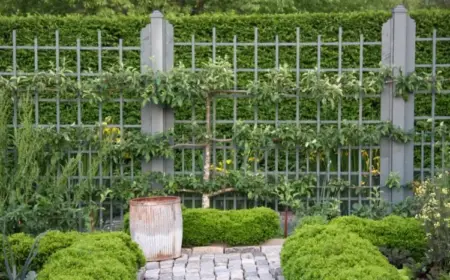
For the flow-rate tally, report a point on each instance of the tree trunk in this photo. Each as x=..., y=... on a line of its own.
x=207, y=158
x=286, y=211
x=205, y=201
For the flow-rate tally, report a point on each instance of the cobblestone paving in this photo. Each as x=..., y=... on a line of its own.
x=257, y=263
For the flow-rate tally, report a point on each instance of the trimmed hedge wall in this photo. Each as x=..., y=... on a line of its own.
x=328, y=252
x=75, y=255
x=311, y=25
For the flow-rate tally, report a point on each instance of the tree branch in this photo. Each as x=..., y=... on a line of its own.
x=189, y=145
x=222, y=191
x=237, y=91
x=189, y=191
x=229, y=140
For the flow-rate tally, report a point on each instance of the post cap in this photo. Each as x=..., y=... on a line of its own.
x=400, y=9
x=156, y=14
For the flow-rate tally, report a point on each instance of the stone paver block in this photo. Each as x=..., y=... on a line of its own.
x=276, y=271
x=249, y=268
x=207, y=257
x=266, y=276
x=220, y=268
x=263, y=270
x=152, y=272
x=247, y=256
x=262, y=262
x=223, y=277
x=166, y=263
x=165, y=270
x=243, y=249
x=270, y=249
x=234, y=256
x=151, y=265
x=186, y=251
x=280, y=278
x=207, y=250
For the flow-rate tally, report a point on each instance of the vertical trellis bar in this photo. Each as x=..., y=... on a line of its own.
x=370, y=170
x=214, y=105
x=339, y=154
x=36, y=93
x=277, y=151
x=111, y=217
x=120, y=51
x=433, y=103
x=318, y=119
x=255, y=70
x=360, y=110
x=100, y=116
x=422, y=156
x=234, y=97
x=297, y=100
x=14, y=68
x=193, y=106
x=121, y=105
x=58, y=101
x=349, y=179
x=79, y=80
x=442, y=153
x=214, y=44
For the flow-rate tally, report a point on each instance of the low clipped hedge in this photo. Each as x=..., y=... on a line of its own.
x=95, y=256
x=406, y=235
x=328, y=252
x=231, y=227
x=74, y=255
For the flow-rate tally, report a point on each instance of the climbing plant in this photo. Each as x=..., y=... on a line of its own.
x=182, y=87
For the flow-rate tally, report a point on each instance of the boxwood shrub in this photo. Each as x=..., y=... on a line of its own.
x=106, y=256
x=232, y=227
x=66, y=248
x=328, y=252
x=406, y=235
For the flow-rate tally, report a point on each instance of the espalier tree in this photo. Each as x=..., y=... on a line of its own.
x=182, y=87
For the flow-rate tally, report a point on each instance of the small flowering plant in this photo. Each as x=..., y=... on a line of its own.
x=435, y=215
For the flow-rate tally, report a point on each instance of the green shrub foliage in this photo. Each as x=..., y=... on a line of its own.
x=405, y=235
x=328, y=252
x=59, y=253
x=233, y=227
x=95, y=256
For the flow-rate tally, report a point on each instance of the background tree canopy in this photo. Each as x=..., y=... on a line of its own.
x=109, y=7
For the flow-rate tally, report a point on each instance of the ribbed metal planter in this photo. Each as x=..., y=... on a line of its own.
x=156, y=224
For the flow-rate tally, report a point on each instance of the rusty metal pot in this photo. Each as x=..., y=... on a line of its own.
x=156, y=224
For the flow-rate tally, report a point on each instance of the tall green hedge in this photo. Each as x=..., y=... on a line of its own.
x=311, y=26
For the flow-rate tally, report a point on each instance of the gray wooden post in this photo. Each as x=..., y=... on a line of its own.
x=157, y=55
x=398, y=50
